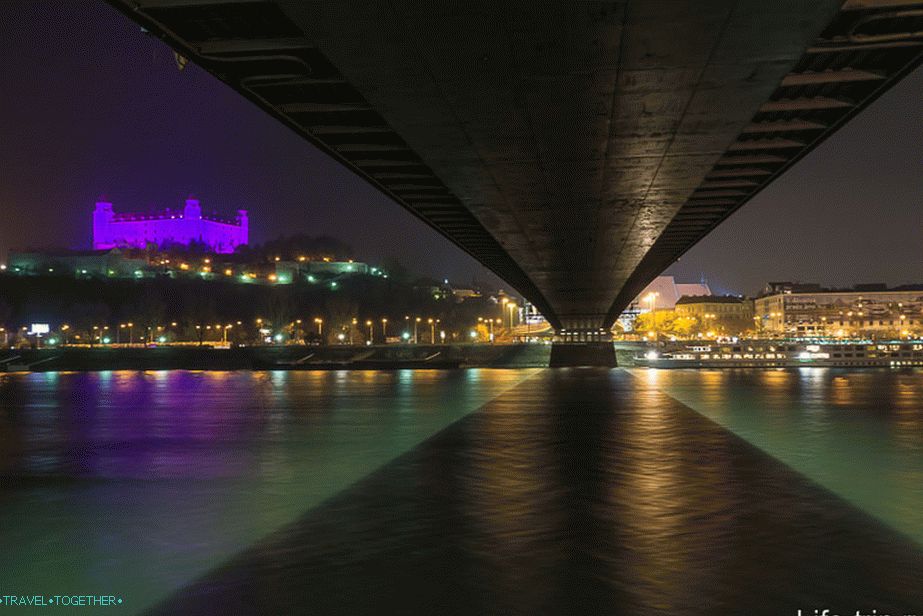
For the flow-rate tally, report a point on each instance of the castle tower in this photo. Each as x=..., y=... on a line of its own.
x=243, y=220
x=192, y=211
x=102, y=226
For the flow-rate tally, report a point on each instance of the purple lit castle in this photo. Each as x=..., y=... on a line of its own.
x=112, y=230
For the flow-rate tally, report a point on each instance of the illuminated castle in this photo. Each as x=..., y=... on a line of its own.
x=112, y=230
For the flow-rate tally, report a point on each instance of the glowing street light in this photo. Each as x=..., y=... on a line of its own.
x=416, y=332
x=512, y=306
x=651, y=298
x=320, y=326
x=369, y=325
x=384, y=329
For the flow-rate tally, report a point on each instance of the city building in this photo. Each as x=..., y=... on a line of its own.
x=87, y=263
x=461, y=295
x=182, y=227
x=309, y=270
x=866, y=310
x=727, y=311
x=663, y=293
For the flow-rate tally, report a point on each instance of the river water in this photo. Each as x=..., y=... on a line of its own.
x=466, y=491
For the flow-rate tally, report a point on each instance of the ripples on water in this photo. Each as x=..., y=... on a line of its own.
x=859, y=433
x=587, y=491
x=142, y=480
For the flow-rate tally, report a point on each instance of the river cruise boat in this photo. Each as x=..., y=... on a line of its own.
x=783, y=354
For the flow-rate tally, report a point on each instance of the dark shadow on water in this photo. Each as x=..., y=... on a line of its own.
x=579, y=491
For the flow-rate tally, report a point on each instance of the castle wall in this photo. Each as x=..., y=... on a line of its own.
x=138, y=230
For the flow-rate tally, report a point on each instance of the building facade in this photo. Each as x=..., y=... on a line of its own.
x=309, y=270
x=91, y=263
x=133, y=230
x=663, y=293
x=725, y=307
x=717, y=313
x=842, y=313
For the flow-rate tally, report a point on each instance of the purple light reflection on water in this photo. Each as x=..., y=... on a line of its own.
x=142, y=481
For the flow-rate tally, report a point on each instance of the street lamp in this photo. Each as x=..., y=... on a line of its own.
x=512, y=306
x=320, y=326
x=226, y=328
x=384, y=329
x=416, y=326
x=369, y=325
x=651, y=298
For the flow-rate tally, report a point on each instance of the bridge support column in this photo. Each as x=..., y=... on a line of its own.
x=564, y=354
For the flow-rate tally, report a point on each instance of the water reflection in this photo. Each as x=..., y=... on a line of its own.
x=857, y=432
x=589, y=491
x=579, y=491
x=142, y=480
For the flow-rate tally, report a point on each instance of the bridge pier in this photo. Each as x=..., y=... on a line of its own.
x=572, y=354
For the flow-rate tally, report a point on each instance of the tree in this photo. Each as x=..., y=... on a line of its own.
x=86, y=315
x=341, y=311
x=278, y=307
x=6, y=313
x=149, y=310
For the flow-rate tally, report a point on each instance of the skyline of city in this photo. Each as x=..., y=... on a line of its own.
x=104, y=148
x=251, y=361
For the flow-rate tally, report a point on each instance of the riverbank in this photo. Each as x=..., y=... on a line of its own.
x=381, y=357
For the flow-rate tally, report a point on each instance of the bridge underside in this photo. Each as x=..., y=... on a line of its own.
x=576, y=149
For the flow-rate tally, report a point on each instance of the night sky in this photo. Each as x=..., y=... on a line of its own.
x=91, y=106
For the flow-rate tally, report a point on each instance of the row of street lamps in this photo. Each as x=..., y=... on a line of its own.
x=99, y=333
